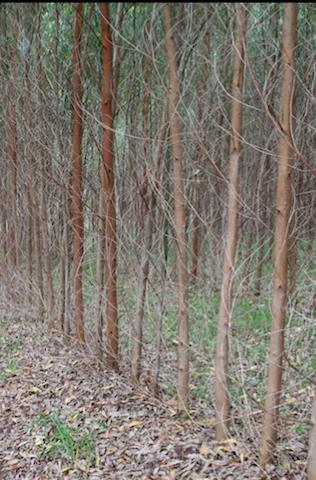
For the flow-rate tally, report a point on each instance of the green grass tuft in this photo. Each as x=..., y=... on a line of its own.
x=61, y=438
x=10, y=368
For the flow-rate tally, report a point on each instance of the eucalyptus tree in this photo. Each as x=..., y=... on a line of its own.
x=76, y=183
x=109, y=189
x=221, y=390
x=282, y=213
x=179, y=212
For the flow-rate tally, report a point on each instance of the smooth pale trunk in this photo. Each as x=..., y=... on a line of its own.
x=180, y=221
x=283, y=206
x=222, y=403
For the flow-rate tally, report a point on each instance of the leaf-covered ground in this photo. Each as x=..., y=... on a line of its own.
x=62, y=417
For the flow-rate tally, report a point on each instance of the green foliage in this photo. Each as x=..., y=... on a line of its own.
x=102, y=424
x=15, y=343
x=10, y=368
x=252, y=317
x=301, y=429
x=203, y=312
x=62, y=439
x=3, y=322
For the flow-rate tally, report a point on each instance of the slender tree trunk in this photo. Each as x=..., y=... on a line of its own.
x=311, y=461
x=77, y=207
x=48, y=295
x=38, y=254
x=29, y=248
x=283, y=206
x=263, y=188
x=180, y=222
x=137, y=331
x=161, y=313
x=35, y=208
x=33, y=184
x=65, y=263
x=68, y=261
x=13, y=156
x=62, y=280
x=49, y=291
x=143, y=279
x=196, y=237
x=100, y=274
x=222, y=404
x=162, y=225
x=162, y=300
x=64, y=257
x=109, y=189
x=117, y=56
x=147, y=228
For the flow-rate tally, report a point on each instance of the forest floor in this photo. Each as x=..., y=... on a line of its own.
x=62, y=417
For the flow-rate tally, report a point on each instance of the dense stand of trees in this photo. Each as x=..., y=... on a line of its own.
x=152, y=150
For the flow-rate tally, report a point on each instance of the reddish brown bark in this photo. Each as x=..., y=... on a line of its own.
x=109, y=189
x=77, y=207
